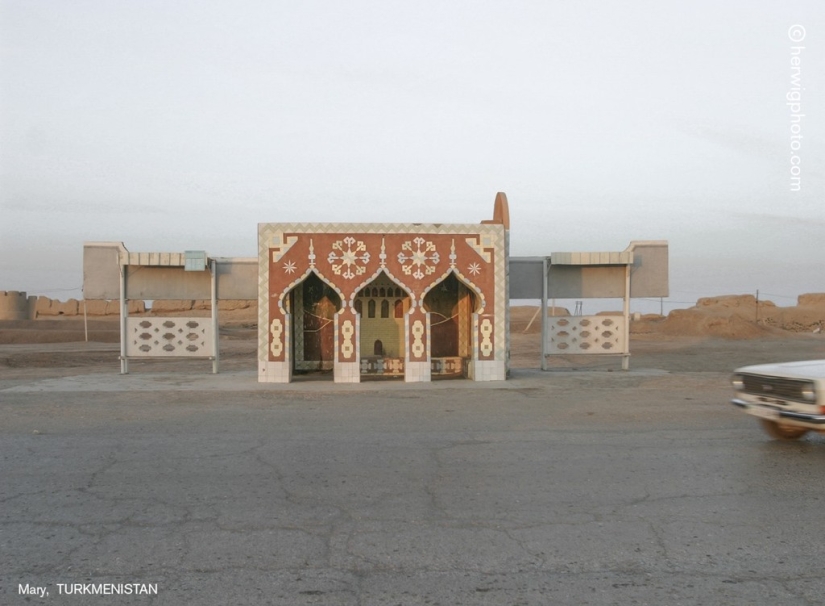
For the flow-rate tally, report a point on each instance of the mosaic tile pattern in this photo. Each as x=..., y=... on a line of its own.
x=451, y=366
x=374, y=365
x=348, y=256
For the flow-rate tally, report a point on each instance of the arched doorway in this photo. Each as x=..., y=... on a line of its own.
x=382, y=305
x=450, y=304
x=313, y=304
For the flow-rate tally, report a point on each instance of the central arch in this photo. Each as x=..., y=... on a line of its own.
x=382, y=305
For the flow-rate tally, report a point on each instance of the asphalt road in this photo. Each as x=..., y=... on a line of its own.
x=568, y=487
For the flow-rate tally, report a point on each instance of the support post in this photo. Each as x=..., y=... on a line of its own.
x=544, y=271
x=215, y=325
x=626, y=352
x=85, y=320
x=124, y=313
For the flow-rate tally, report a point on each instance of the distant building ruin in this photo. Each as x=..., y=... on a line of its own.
x=16, y=305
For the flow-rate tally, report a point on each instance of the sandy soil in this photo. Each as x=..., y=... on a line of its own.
x=717, y=333
x=56, y=347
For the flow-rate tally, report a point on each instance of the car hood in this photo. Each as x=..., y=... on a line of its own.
x=809, y=369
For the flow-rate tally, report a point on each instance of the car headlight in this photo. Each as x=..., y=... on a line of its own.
x=738, y=382
x=809, y=392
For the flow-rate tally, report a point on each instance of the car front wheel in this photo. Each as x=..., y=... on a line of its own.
x=782, y=432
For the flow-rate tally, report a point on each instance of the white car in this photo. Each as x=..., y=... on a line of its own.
x=788, y=399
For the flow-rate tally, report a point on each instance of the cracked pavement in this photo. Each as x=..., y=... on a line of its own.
x=555, y=488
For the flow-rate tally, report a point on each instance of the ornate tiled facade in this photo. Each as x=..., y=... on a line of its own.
x=387, y=299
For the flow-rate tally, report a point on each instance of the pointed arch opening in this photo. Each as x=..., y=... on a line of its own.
x=382, y=335
x=312, y=304
x=451, y=305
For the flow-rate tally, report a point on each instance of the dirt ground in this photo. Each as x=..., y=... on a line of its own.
x=729, y=317
x=57, y=347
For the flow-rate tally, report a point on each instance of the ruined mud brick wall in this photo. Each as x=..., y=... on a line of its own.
x=15, y=305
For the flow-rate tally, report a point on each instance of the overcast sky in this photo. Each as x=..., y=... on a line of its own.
x=181, y=125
